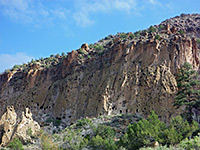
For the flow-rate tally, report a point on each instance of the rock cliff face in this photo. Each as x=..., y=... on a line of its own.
x=131, y=75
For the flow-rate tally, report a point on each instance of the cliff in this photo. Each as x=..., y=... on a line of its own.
x=124, y=73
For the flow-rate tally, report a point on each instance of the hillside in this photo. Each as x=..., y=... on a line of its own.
x=126, y=73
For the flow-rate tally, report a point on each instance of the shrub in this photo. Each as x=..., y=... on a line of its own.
x=123, y=36
x=16, y=67
x=152, y=129
x=33, y=61
x=50, y=59
x=57, y=55
x=16, y=144
x=181, y=32
x=81, y=56
x=63, y=54
x=137, y=33
x=188, y=89
x=104, y=131
x=152, y=29
x=179, y=129
x=192, y=144
x=73, y=140
x=56, y=122
x=108, y=37
x=131, y=36
x=82, y=51
x=29, y=132
x=161, y=26
x=198, y=41
x=159, y=148
x=91, y=46
x=41, y=58
x=157, y=37
x=98, y=47
x=98, y=142
x=46, y=142
x=83, y=122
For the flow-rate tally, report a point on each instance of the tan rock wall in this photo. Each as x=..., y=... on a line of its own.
x=129, y=78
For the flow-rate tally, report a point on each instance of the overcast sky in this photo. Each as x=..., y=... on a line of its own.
x=38, y=28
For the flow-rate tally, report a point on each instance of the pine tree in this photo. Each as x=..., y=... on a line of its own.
x=188, y=88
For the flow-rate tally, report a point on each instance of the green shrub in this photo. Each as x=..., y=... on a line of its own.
x=81, y=56
x=198, y=41
x=142, y=133
x=56, y=122
x=131, y=36
x=57, y=55
x=192, y=144
x=98, y=47
x=33, y=61
x=152, y=129
x=123, y=36
x=104, y=131
x=82, y=51
x=98, y=142
x=16, y=144
x=91, y=46
x=108, y=37
x=74, y=140
x=50, y=59
x=29, y=132
x=83, y=122
x=63, y=54
x=159, y=148
x=16, y=67
x=41, y=58
x=179, y=129
x=137, y=33
x=157, y=37
x=152, y=29
x=181, y=32
x=161, y=27
x=46, y=141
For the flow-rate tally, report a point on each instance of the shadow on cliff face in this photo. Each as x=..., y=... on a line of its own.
x=1, y=133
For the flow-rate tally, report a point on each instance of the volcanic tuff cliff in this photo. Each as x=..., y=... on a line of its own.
x=123, y=73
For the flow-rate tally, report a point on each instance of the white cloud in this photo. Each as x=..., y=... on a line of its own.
x=7, y=61
x=86, y=8
x=32, y=12
x=154, y=2
x=38, y=14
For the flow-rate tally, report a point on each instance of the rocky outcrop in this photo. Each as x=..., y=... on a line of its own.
x=14, y=127
x=129, y=76
x=7, y=125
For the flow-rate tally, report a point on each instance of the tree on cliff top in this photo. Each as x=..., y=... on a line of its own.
x=188, y=88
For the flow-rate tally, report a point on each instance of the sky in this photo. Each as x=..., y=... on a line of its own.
x=31, y=29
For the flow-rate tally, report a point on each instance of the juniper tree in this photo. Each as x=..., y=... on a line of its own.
x=188, y=88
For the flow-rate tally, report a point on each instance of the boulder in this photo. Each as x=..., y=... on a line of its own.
x=85, y=46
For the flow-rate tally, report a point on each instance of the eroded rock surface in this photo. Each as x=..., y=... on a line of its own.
x=16, y=127
x=128, y=76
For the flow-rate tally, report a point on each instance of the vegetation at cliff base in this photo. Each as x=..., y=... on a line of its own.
x=188, y=88
x=16, y=144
